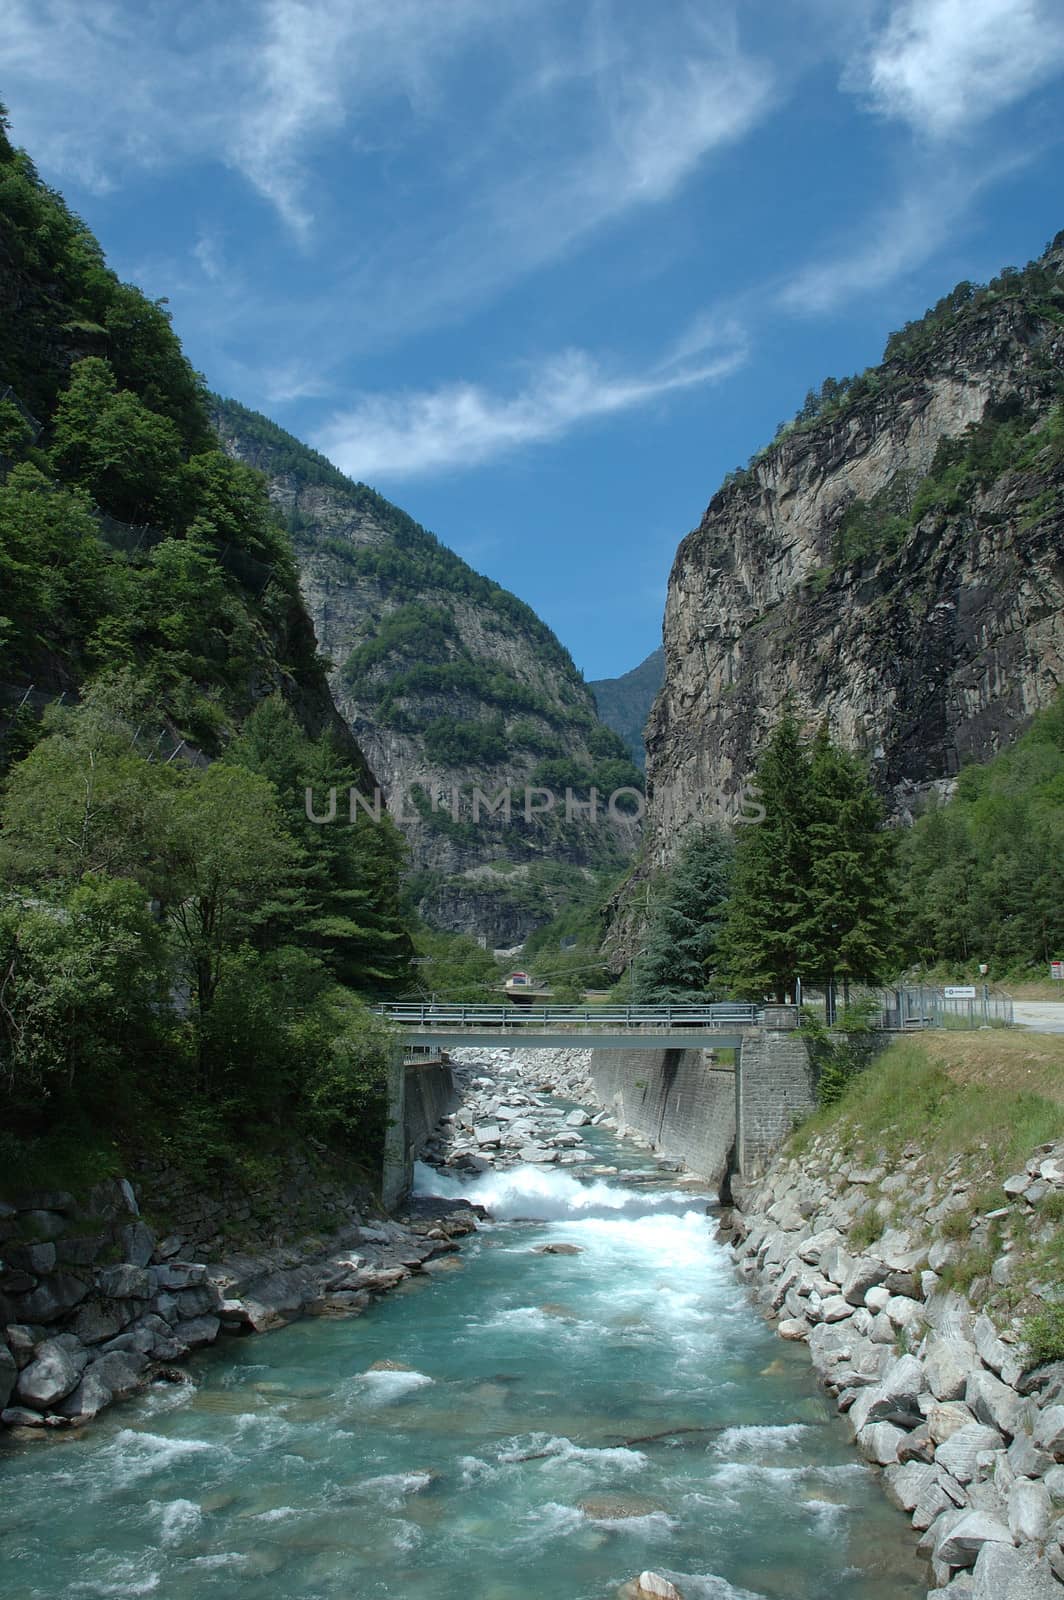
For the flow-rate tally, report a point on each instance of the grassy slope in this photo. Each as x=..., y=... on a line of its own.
x=975, y=1106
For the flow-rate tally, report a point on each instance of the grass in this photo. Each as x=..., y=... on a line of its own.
x=993, y=1095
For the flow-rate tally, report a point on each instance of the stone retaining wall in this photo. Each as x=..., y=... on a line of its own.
x=969, y=1436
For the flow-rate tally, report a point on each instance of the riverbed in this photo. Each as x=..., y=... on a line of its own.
x=517, y=1427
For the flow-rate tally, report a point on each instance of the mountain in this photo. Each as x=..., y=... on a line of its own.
x=893, y=562
x=186, y=954
x=624, y=703
x=450, y=684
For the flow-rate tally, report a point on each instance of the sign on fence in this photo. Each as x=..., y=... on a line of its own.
x=960, y=991
x=1056, y=970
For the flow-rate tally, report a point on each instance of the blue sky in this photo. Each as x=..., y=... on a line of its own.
x=542, y=271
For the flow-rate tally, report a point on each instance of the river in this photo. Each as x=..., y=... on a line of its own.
x=466, y=1439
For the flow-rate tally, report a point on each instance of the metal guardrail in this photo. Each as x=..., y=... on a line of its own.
x=723, y=1015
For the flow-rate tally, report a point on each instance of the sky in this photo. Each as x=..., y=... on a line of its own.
x=543, y=271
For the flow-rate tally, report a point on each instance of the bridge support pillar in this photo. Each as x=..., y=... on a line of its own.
x=396, y=1169
x=773, y=1088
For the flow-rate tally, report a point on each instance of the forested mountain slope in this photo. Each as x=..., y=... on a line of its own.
x=892, y=562
x=448, y=682
x=181, y=950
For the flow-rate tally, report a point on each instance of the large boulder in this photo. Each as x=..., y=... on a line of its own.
x=125, y=1282
x=993, y=1402
x=1002, y=1573
x=959, y=1454
x=895, y=1398
x=138, y=1243
x=52, y=1374
x=59, y=1293
x=1030, y=1511
x=1049, y=1431
x=121, y=1372
x=879, y=1442
x=86, y=1400
x=961, y=1543
x=948, y=1364
x=8, y=1375
x=197, y=1331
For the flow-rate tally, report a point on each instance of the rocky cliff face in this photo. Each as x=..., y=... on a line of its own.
x=910, y=591
x=448, y=683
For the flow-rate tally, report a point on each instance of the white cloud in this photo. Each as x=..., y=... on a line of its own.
x=946, y=65
x=898, y=239
x=208, y=254
x=463, y=424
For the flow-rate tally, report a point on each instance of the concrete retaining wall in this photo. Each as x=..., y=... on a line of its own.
x=417, y=1098
x=677, y=1099
x=430, y=1095
x=714, y=1118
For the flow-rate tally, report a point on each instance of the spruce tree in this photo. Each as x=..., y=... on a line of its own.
x=768, y=938
x=814, y=892
x=680, y=959
x=852, y=890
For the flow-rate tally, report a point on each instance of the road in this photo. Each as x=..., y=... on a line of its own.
x=1041, y=1016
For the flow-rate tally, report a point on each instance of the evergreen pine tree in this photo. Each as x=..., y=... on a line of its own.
x=852, y=898
x=680, y=959
x=768, y=936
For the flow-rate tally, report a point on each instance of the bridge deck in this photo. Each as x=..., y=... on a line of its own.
x=722, y=1026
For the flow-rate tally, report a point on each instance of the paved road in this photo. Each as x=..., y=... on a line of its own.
x=1041, y=1016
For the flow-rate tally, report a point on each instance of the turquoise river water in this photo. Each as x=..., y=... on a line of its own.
x=488, y=1460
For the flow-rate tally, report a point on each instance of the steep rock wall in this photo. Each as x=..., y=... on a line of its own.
x=923, y=657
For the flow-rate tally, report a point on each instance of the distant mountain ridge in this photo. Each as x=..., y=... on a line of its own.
x=624, y=703
x=449, y=682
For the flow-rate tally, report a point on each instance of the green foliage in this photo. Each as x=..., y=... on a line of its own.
x=82, y=977
x=905, y=1097
x=680, y=958
x=984, y=874
x=109, y=443
x=16, y=435
x=54, y=578
x=347, y=1085
x=875, y=526
x=256, y=912
x=415, y=632
x=174, y=935
x=454, y=967
x=814, y=890
x=1043, y=1335
x=475, y=742
x=839, y=1054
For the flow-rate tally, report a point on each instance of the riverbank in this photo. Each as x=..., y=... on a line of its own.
x=96, y=1303
x=911, y=1238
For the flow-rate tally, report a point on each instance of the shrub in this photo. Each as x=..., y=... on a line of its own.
x=1043, y=1335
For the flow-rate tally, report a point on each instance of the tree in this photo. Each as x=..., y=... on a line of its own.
x=814, y=887
x=681, y=955
x=852, y=884
x=353, y=918
x=83, y=981
x=108, y=441
x=768, y=937
x=54, y=579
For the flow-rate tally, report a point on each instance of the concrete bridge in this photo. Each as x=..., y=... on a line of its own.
x=657, y=1069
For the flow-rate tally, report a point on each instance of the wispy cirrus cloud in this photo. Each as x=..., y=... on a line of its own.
x=464, y=424
x=947, y=65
